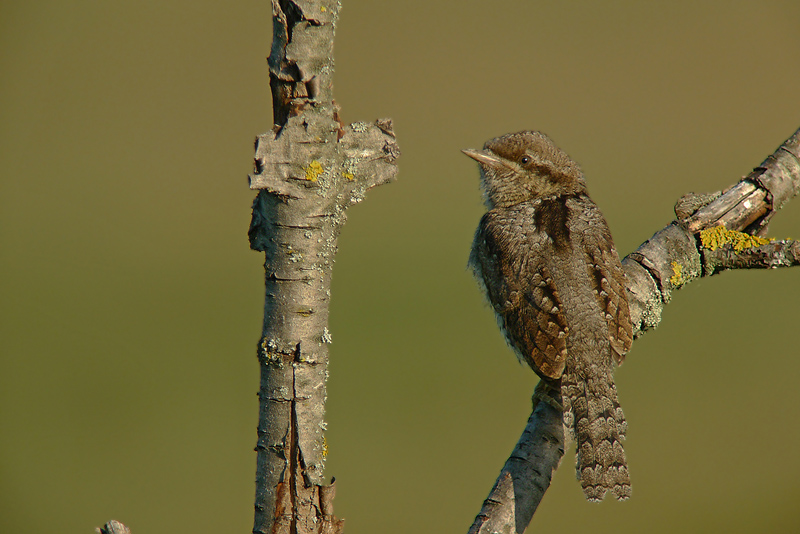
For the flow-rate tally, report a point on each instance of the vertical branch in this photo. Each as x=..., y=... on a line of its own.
x=308, y=170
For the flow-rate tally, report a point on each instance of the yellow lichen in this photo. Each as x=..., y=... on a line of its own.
x=677, y=274
x=348, y=175
x=719, y=236
x=313, y=171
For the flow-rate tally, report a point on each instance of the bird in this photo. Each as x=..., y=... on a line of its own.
x=544, y=257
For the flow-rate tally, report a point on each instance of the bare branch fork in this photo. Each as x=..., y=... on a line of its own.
x=309, y=169
x=712, y=233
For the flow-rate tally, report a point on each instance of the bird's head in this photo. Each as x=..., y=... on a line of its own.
x=524, y=166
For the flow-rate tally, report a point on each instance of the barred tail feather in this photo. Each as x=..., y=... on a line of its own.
x=592, y=409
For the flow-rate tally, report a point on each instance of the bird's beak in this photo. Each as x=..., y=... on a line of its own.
x=484, y=157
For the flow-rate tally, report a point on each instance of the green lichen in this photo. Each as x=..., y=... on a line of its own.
x=313, y=170
x=268, y=353
x=349, y=168
x=719, y=236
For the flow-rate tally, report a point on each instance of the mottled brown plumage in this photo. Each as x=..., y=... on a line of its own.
x=544, y=256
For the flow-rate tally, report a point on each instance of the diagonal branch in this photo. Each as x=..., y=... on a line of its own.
x=713, y=233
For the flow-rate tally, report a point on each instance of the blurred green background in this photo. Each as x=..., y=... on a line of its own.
x=131, y=303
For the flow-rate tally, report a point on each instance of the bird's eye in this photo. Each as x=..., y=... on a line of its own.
x=525, y=159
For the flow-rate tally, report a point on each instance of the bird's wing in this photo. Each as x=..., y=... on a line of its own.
x=522, y=292
x=608, y=280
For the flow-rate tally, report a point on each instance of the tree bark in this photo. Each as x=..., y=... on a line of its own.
x=712, y=233
x=308, y=169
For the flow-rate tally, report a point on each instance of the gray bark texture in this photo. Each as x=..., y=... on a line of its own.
x=113, y=527
x=712, y=233
x=308, y=170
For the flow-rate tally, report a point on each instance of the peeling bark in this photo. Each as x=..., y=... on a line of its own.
x=308, y=170
x=675, y=255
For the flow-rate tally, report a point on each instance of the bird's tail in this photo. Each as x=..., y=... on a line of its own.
x=592, y=410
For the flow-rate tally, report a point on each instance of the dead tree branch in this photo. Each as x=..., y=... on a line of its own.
x=308, y=170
